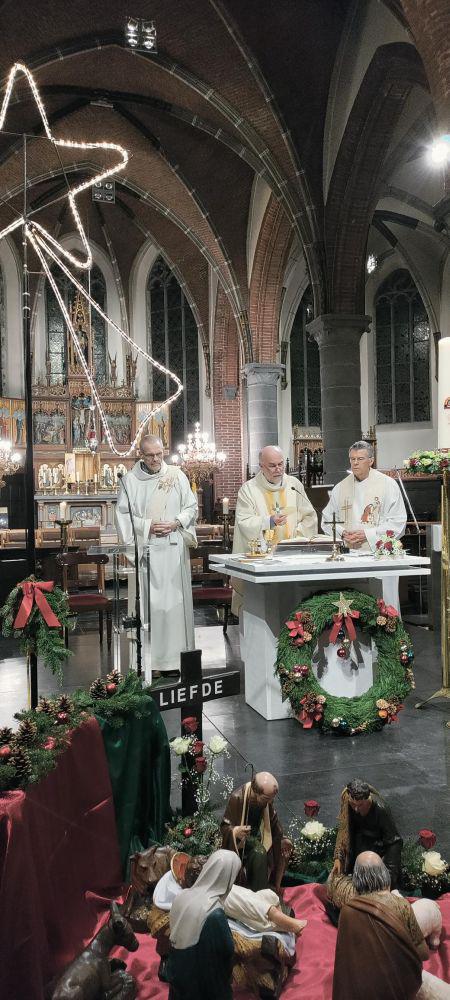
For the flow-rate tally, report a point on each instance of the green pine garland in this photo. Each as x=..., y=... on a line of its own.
x=346, y=716
x=199, y=834
x=36, y=637
x=131, y=697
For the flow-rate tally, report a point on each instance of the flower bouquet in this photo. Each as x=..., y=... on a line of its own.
x=198, y=765
x=428, y=462
x=313, y=845
x=424, y=871
x=388, y=545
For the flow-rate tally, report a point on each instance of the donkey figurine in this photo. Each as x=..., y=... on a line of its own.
x=92, y=975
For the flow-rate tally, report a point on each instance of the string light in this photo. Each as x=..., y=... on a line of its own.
x=44, y=244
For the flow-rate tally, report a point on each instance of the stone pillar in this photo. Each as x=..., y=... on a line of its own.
x=338, y=336
x=262, y=416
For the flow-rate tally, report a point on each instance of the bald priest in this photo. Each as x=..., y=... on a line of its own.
x=270, y=501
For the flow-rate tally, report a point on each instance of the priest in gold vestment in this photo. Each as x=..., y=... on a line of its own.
x=270, y=501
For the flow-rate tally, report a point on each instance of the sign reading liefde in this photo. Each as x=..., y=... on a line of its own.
x=208, y=689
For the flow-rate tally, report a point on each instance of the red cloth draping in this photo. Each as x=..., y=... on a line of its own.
x=313, y=976
x=58, y=845
x=33, y=591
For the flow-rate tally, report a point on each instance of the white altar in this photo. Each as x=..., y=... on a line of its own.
x=273, y=589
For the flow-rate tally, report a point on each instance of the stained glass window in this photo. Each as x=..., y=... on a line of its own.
x=56, y=339
x=172, y=339
x=305, y=369
x=402, y=351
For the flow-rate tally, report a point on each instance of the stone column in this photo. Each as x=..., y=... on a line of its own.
x=338, y=336
x=261, y=408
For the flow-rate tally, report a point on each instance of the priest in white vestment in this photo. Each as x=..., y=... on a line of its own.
x=367, y=503
x=164, y=511
x=271, y=501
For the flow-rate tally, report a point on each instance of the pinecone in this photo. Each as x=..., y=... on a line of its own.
x=22, y=765
x=26, y=733
x=64, y=704
x=114, y=677
x=98, y=689
x=46, y=706
x=391, y=625
x=6, y=735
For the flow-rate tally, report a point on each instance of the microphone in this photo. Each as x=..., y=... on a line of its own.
x=137, y=621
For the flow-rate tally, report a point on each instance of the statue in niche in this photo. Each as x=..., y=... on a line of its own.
x=113, y=368
x=82, y=334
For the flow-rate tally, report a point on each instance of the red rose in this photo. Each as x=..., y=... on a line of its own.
x=390, y=534
x=190, y=724
x=388, y=546
x=311, y=808
x=200, y=764
x=197, y=747
x=379, y=544
x=427, y=839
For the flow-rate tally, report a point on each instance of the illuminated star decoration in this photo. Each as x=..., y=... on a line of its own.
x=45, y=245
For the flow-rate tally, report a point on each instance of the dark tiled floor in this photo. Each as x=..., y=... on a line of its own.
x=407, y=761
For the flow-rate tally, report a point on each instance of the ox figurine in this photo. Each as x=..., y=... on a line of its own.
x=92, y=975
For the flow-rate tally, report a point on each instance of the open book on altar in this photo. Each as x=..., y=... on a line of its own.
x=318, y=543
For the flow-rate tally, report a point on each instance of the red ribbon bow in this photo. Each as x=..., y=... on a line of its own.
x=32, y=591
x=346, y=621
x=387, y=609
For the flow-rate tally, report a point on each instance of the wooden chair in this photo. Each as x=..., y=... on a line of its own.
x=208, y=587
x=87, y=600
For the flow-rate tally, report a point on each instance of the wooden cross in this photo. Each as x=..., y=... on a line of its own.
x=189, y=694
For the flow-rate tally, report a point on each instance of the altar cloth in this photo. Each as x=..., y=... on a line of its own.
x=313, y=976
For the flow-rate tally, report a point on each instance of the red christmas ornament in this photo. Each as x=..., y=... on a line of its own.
x=62, y=718
x=311, y=807
x=111, y=688
x=404, y=658
x=188, y=831
x=342, y=652
x=50, y=743
x=427, y=839
x=5, y=753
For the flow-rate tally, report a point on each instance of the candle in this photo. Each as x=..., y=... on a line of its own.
x=77, y=477
x=95, y=477
x=63, y=511
x=225, y=505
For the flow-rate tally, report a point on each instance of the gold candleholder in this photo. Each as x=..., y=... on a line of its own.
x=64, y=528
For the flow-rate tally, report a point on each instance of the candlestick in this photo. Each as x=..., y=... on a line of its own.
x=64, y=528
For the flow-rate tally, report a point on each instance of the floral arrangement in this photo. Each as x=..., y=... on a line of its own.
x=313, y=844
x=198, y=765
x=28, y=754
x=424, y=871
x=430, y=462
x=314, y=707
x=36, y=612
x=388, y=545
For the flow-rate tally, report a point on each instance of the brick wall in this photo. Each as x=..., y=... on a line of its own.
x=227, y=412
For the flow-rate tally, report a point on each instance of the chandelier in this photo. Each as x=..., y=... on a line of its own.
x=199, y=458
x=9, y=463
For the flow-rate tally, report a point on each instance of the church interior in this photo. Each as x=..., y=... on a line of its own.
x=224, y=499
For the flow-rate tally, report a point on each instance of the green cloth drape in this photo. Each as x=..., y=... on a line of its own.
x=139, y=765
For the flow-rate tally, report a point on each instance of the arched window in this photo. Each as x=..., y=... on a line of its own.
x=56, y=339
x=172, y=339
x=402, y=351
x=2, y=333
x=305, y=369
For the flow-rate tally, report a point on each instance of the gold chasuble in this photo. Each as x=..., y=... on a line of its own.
x=258, y=501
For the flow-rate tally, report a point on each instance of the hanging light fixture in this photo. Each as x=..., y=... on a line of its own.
x=198, y=457
x=140, y=35
x=9, y=463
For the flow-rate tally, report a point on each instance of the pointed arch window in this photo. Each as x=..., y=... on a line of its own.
x=56, y=339
x=306, y=406
x=402, y=334
x=172, y=339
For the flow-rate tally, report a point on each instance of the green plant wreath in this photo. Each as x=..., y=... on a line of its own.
x=310, y=703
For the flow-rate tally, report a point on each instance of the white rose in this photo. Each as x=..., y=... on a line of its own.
x=181, y=745
x=217, y=744
x=433, y=864
x=313, y=830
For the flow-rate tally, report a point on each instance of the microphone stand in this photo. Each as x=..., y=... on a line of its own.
x=138, y=621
